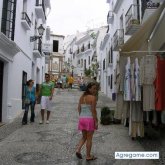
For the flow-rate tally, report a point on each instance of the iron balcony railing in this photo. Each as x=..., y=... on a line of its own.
x=25, y=17
x=41, y=3
x=132, y=16
x=118, y=38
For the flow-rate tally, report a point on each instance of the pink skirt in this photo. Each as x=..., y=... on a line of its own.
x=87, y=124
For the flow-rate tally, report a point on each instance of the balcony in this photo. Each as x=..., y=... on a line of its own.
x=118, y=39
x=40, y=10
x=26, y=22
x=132, y=20
x=110, y=17
x=37, y=51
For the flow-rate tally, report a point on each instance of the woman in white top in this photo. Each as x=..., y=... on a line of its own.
x=88, y=121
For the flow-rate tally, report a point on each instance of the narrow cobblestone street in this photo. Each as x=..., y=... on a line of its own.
x=55, y=143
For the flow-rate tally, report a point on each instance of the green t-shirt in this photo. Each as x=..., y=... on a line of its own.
x=46, y=88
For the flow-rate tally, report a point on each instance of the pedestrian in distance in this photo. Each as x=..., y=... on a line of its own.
x=59, y=82
x=70, y=81
x=30, y=99
x=88, y=121
x=64, y=81
x=46, y=92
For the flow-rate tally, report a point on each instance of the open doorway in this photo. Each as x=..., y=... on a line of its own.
x=24, y=80
x=1, y=87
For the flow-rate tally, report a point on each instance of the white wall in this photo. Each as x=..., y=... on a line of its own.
x=21, y=61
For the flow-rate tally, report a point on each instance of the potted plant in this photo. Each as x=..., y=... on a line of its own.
x=106, y=116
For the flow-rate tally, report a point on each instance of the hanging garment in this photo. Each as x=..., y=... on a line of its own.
x=148, y=97
x=136, y=119
x=149, y=72
x=122, y=64
x=147, y=77
x=122, y=107
x=160, y=85
x=135, y=82
x=127, y=81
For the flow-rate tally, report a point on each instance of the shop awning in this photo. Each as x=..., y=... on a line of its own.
x=157, y=39
x=139, y=41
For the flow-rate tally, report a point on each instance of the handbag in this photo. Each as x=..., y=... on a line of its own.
x=27, y=101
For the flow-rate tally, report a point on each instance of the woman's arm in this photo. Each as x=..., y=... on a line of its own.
x=94, y=112
x=79, y=106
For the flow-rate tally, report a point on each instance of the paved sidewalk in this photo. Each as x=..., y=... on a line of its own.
x=55, y=143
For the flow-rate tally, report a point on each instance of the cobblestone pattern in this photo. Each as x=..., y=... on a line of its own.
x=55, y=143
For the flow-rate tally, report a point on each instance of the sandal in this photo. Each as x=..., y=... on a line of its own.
x=78, y=155
x=92, y=158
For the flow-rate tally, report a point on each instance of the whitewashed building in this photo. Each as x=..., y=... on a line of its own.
x=20, y=58
x=70, y=60
x=55, y=64
x=82, y=51
x=105, y=65
x=124, y=19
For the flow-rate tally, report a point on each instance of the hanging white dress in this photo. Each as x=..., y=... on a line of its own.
x=127, y=81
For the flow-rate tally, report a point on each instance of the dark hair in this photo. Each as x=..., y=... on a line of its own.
x=89, y=86
x=46, y=74
x=28, y=82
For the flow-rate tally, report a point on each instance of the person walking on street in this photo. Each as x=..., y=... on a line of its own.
x=70, y=81
x=47, y=89
x=64, y=81
x=30, y=99
x=88, y=121
x=59, y=82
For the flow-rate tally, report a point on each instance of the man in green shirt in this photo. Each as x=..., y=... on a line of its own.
x=46, y=90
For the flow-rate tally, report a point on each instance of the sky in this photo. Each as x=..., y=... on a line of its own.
x=69, y=16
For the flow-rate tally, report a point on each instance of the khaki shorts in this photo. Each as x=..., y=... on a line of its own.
x=45, y=103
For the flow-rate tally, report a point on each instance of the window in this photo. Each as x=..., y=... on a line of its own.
x=8, y=18
x=111, y=85
x=78, y=50
x=82, y=48
x=89, y=60
x=104, y=64
x=85, y=65
x=55, y=46
x=111, y=55
x=73, y=55
x=89, y=45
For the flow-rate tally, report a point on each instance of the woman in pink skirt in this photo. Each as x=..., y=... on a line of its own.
x=88, y=121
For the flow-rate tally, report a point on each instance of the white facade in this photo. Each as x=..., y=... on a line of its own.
x=83, y=52
x=79, y=50
x=54, y=50
x=124, y=19
x=18, y=55
x=69, y=48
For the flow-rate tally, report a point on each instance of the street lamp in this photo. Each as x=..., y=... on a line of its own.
x=72, y=69
x=41, y=30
